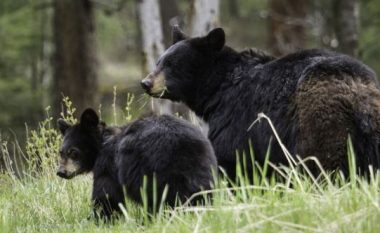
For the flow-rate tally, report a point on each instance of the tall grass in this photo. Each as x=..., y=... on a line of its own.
x=39, y=201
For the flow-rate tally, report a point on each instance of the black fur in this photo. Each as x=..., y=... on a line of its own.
x=228, y=89
x=167, y=148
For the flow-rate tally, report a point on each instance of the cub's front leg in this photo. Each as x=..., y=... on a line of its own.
x=106, y=196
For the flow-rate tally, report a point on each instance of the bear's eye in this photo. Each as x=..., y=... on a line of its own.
x=73, y=153
x=168, y=63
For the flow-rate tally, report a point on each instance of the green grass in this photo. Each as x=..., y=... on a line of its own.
x=47, y=204
x=42, y=202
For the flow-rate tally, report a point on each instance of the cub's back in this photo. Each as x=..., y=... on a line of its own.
x=172, y=150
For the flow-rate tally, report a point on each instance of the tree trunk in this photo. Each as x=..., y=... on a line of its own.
x=204, y=16
x=170, y=16
x=346, y=14
x=287, y=25
x=74, y=59
x=148, y=12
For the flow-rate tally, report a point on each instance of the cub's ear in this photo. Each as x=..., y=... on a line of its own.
x=177, y=34
x=89, y=118
x=216, y=39
x=62, y=125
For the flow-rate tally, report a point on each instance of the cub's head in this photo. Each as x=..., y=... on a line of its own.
x=81, y=144
x=181, y=68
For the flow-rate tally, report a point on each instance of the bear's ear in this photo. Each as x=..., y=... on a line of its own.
x=62, y=125
x=216, y=39
x=177, y=34
x=89, y=118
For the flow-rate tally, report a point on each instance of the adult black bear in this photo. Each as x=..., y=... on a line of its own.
x=163, y=148
x=315, y=98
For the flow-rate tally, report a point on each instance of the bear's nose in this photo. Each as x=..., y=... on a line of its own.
x=62, y=174
x=146, y=84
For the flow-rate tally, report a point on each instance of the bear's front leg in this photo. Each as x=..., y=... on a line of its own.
x=106, y=196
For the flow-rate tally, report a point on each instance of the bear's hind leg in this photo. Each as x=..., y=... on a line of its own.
x=325, y=114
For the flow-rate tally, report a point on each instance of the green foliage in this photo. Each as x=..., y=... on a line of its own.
x=128, y=108
x=20, y=36
x=22, y=105
x=70, y=110
x=18, y=109
x=42, y=149
x=20, y=40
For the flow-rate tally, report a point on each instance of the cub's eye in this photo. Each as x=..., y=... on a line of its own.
x=73, y=153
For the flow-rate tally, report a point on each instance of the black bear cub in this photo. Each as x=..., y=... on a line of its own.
x=161, y=151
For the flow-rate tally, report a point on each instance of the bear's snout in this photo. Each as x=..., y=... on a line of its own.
x=147, y=84
x=68, y=168
x=62, y=174
x=154, y=84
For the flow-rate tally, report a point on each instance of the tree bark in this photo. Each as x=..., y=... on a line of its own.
x=74, y=58
x=287, y=25
x=148, y=12
x=170, y=16
x=204, y=16
x=151, y=33
x=346, y=14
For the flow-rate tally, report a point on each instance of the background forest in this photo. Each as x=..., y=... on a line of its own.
x=89, y=50
x=95, y=52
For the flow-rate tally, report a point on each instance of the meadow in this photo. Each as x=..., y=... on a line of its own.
x=34, y=199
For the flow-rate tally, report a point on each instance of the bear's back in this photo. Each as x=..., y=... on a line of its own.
x=172, y=150
x=272, y=88
x=300, y=65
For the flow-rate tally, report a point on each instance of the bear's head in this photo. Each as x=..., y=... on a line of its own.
x=80, y=146
x=181, y=68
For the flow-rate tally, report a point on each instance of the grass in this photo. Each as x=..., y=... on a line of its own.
x=40, y=201
x=47, y=204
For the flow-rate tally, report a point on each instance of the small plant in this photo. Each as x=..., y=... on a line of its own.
x=69, y=112
x=130, y=99
x=42, y=148
x=114, y=105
